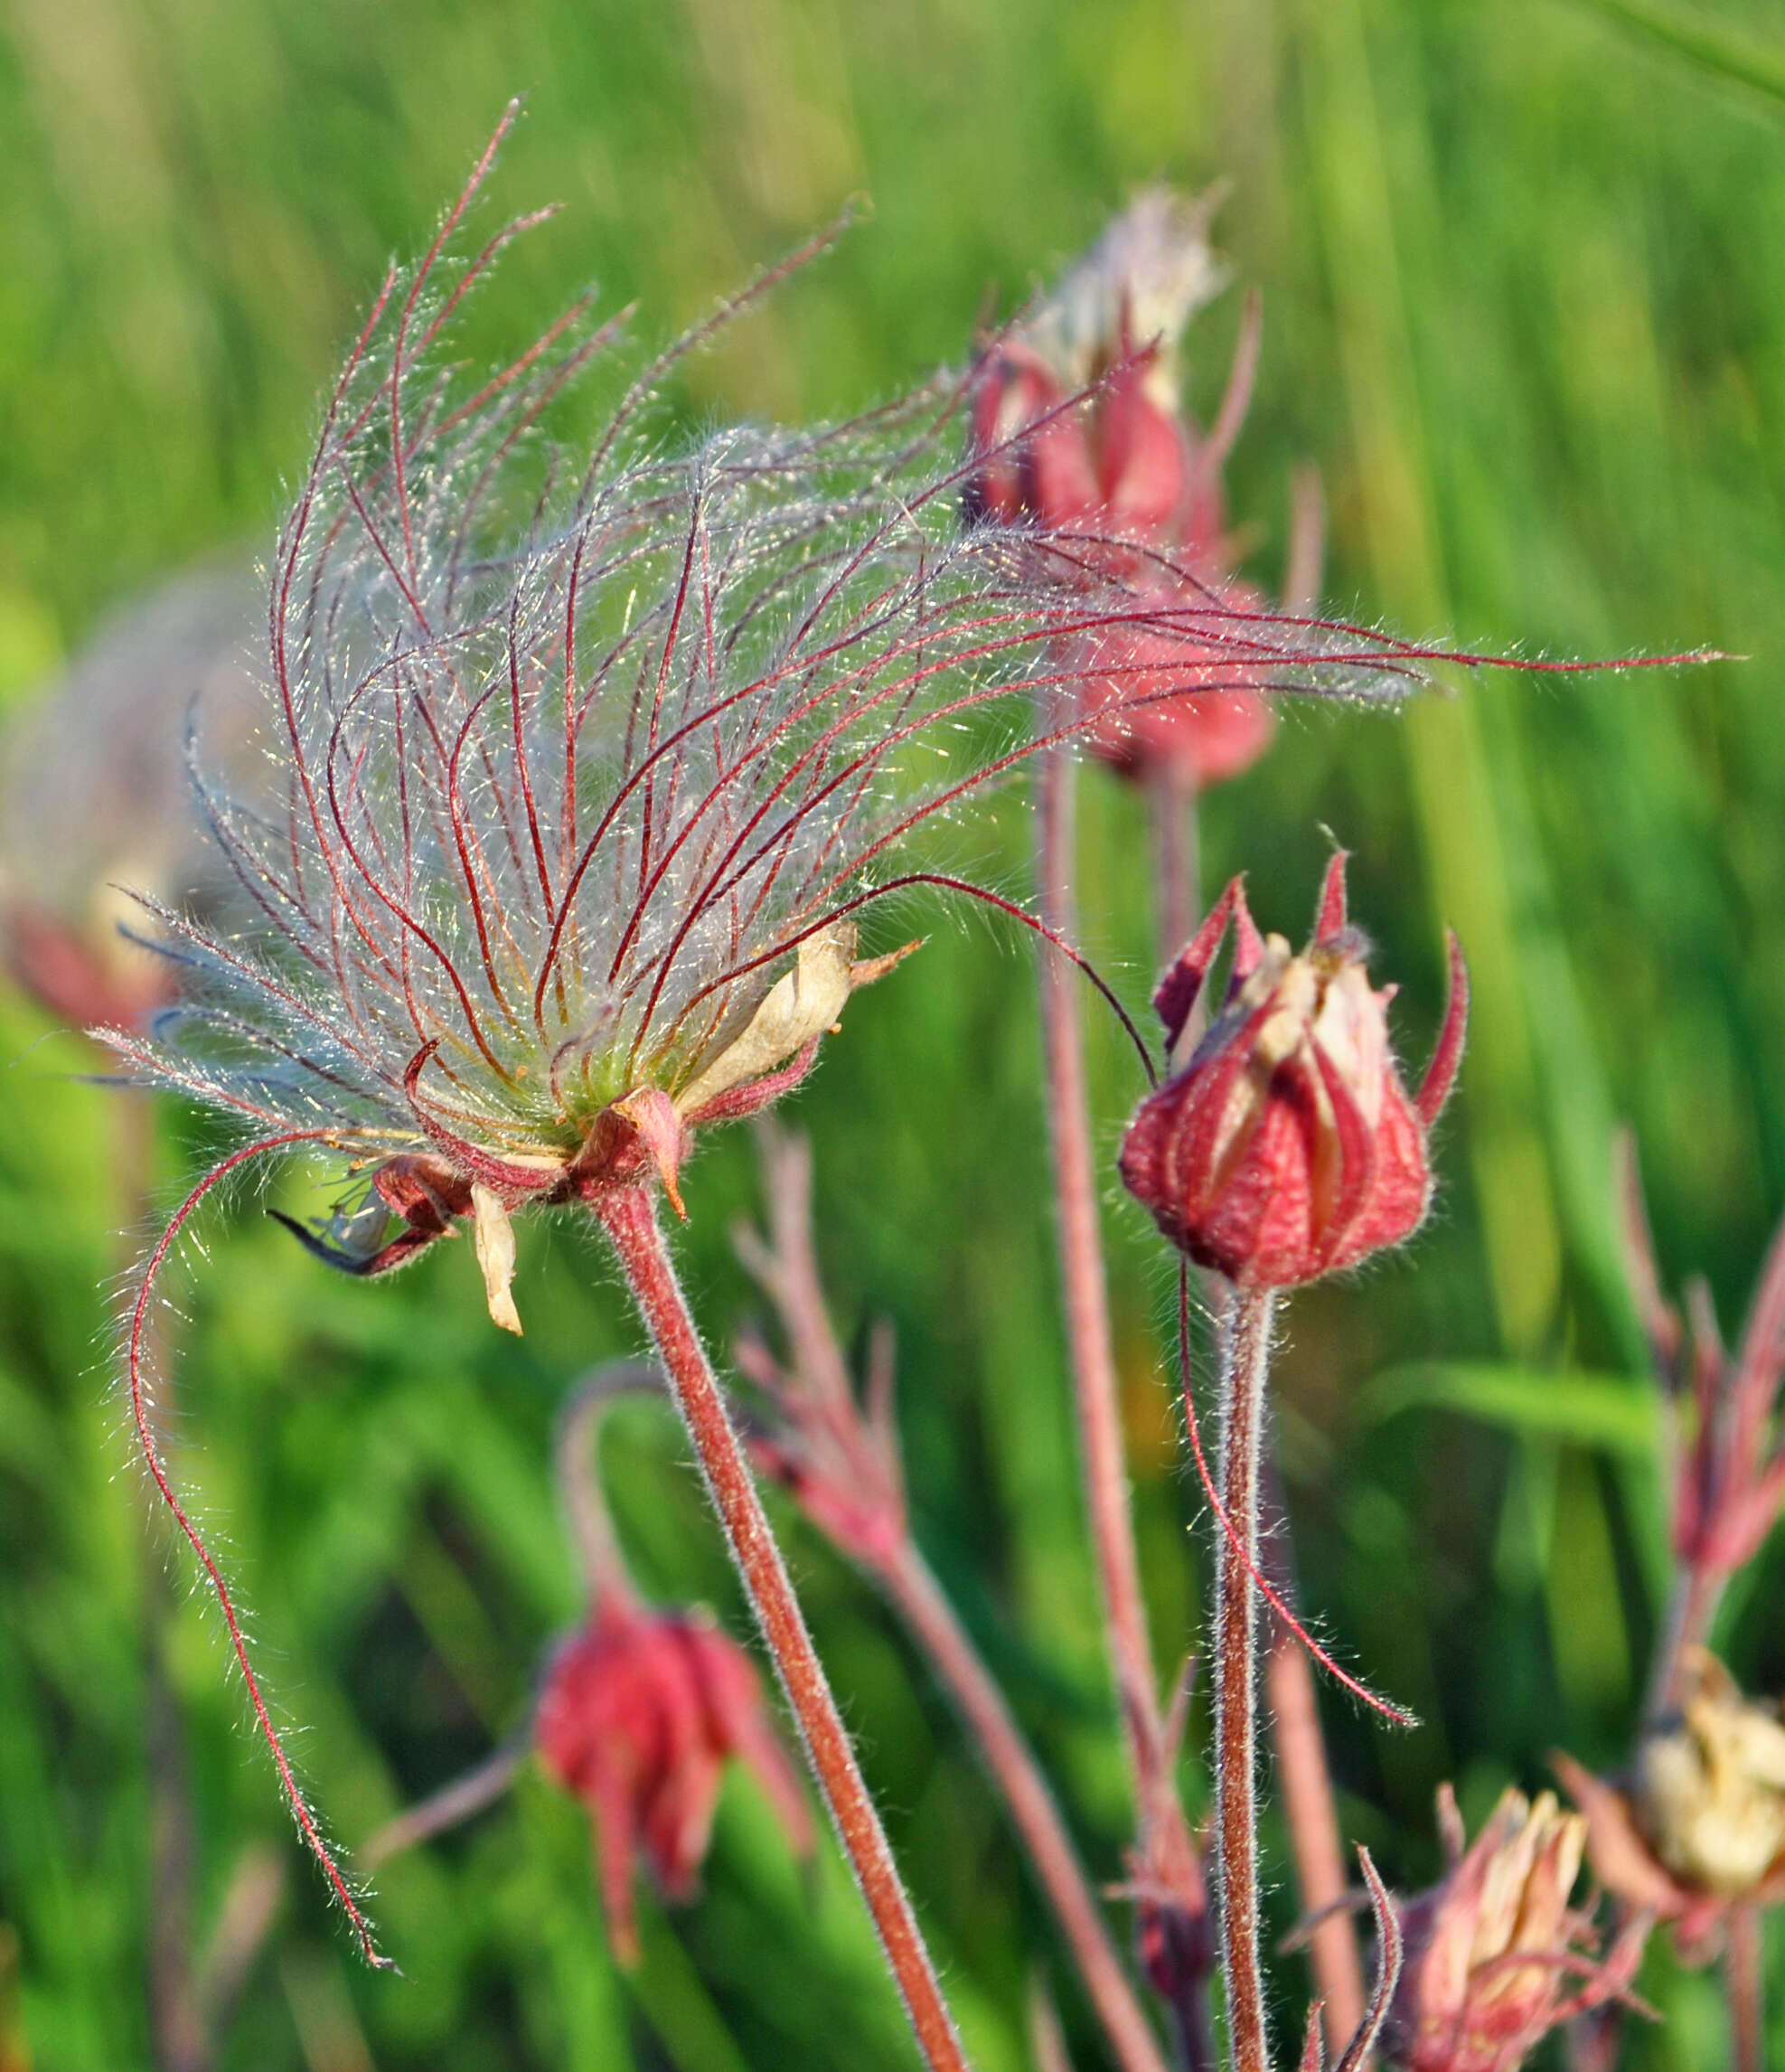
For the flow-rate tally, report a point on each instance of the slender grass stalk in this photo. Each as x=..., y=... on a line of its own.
x=1245, y=1350
x=629, y=1218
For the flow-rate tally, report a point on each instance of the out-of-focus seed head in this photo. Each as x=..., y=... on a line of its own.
x=1286, y=1145
x=1494, y=1956
x=1127, y=471
x=1697, y=1828
x=640, y=1714
x=95, y=794
x=1709, y=1783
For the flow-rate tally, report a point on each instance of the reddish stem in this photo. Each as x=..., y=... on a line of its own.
x=1177, y=865
x=928, y=1612
x=1744, y=1985
x=1094, y=1383
x=1246, y=1349
x=1311, y=1817
x=629, y=1218
x=1692, y=1606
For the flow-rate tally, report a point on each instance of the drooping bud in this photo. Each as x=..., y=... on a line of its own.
x=1287, y=1146
x=640, y=1714
x=1495, y=1956
x=1133, y=480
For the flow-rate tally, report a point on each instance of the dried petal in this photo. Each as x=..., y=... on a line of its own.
x=494, y=1237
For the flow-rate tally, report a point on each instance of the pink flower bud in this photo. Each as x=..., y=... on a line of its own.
x=1495, y=1956
x=1127, y=472
x=1287, y=1146
x=640, y=1714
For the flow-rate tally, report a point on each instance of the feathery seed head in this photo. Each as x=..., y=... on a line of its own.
x=580, y=782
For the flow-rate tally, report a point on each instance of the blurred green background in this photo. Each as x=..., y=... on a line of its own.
x=1523, y=269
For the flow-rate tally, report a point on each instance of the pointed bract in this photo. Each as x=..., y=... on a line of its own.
x=1287, y=1146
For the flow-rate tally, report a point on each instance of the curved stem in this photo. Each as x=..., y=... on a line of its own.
x=1245, y=1351
x=629, y=1218
x=452, y=1802
x=598, y=1556
x=1086, y=1296
x=918, y=1597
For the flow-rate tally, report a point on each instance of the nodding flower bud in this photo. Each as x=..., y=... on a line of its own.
x=1286, y=1146
x=640, y=1714
x=1494, y=1956
x=1077, y=419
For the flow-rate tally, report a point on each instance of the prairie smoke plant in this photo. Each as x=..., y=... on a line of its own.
x=1694, y=1833
x=1282, y=1148
x=584, y=772
x=639, y=1708
x=1722, y=1422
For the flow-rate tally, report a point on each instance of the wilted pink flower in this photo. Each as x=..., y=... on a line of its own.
x=1286, y=1146
x=1697, y=1829
x=1126, y=473
x=95, y=794
x=640, y=1714
x=1495, y=1958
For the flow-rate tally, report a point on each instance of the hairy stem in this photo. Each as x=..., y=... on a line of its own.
x=1245, y=1349
x=920, y=1602
x=1310, y=1813
x=1086, y=1296
x=629, y=1218
x=1744, y=1985
x=183, y=2040
x=1310, y=1810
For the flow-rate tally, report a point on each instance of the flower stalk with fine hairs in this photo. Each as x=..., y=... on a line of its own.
x=1282, y=1148
x=584, y=776
x=1726, y=1453
x=842, y=1464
